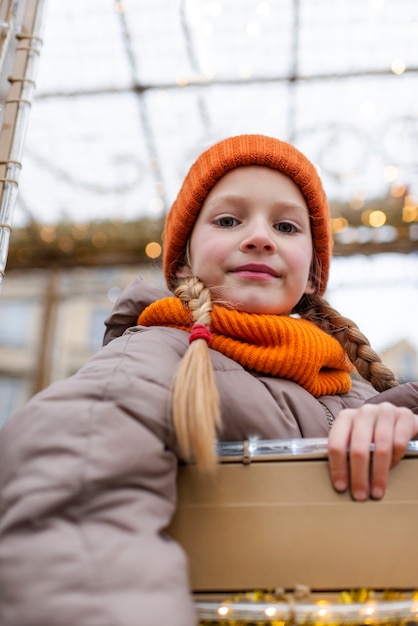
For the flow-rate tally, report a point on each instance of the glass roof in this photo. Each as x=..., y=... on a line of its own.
x=128, y=93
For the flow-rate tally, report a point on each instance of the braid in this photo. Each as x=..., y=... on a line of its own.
x=367, y=362
x=196, y=296
x=196, y=411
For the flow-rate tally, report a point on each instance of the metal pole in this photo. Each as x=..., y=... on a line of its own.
x=23, y=42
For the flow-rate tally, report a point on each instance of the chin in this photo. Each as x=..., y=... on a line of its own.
x=257, y=303
x=259, y=309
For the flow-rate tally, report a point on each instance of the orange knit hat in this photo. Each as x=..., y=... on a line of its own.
x=227, y=155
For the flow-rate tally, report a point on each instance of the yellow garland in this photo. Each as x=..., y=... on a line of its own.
x=354, y=596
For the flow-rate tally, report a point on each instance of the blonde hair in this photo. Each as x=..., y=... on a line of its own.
x=367, y=362
x=196, y=409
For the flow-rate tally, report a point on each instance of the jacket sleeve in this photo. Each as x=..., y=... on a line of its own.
x=359, y=393
x=87, y=487
x=132, y=301
x=403, y=395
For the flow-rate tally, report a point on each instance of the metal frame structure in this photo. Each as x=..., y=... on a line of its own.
x=20, y=45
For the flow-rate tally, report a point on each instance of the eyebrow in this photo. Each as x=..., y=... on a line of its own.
x=225, y=197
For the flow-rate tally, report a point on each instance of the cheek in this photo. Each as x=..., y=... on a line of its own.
x=301, y=263
x=206, y=249
x=206, y=258
x=208, y=263
x=300, y=257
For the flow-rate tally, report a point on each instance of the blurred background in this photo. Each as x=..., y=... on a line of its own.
x=128, y=93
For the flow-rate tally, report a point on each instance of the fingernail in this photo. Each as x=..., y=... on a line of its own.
x=340, y=485
x=360, y=495
x=377, y=493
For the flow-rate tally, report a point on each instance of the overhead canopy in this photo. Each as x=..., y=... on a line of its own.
x=129, y=92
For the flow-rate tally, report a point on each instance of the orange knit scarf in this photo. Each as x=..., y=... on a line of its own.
x=276, y=345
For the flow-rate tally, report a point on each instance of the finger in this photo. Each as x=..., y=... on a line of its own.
x=338, y=441
x=361, y=437
x=384, y=441
x=406, y=427
x=394, y=429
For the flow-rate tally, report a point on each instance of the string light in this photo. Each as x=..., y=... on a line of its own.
x=48, y=233
x=66, y=244
x=339, y=224
x=223, y=610
x=153, y=250
x=398, y=66
x=391, y=173
x=354, y=607
x=99, y=239
x=411, y=200
x=182, y=81
x=410, y=209
x=397, y=191
x=270, y=611
x=377, y=219
x=79, y=231
x=368, y=610
x=156, y=205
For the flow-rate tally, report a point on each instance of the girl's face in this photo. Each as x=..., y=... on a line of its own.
x=252, y=241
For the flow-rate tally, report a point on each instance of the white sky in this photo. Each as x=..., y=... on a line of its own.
x=380, y=294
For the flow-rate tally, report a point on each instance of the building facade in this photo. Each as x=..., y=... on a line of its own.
x=52, y=321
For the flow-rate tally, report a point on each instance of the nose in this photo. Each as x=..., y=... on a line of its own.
x=260, y=238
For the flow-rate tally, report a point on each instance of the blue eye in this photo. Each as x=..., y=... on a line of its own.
x=286, y=227
x=227, y=221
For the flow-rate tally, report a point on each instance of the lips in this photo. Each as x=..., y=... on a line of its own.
x=251, y=269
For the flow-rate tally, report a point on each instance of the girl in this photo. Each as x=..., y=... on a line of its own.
x=246, y=348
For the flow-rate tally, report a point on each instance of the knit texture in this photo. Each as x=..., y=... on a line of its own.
x=280, y=346
x=228, y=155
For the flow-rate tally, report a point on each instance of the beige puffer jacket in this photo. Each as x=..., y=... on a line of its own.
x=88, y=475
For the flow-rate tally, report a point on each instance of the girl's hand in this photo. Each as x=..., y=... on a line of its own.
x=390, y=428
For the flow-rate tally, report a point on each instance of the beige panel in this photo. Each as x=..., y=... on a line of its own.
x=280, y=524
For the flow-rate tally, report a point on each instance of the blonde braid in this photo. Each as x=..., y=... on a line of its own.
x=196, y=411
x=366, y=361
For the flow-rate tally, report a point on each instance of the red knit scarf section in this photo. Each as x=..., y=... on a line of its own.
x=280, y=346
